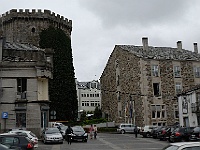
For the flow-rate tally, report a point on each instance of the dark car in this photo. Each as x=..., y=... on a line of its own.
x=79, y=134
x=16, y=141
x=165, y=132
x=181, y=134
x=195, y=136
x=4, y=147
x=155, y=131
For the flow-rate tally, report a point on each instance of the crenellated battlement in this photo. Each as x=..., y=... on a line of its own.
x=34, y=14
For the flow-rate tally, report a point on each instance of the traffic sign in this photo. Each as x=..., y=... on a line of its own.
x=4, y=115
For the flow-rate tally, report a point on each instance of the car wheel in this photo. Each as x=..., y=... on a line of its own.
x=122, y=131
x=148, y=135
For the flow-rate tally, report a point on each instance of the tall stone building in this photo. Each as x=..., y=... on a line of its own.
x=139, y=83
x=24, y=26
x=25, y=68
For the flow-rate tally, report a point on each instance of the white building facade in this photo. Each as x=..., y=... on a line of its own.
x=189, y=107
x=89, y=95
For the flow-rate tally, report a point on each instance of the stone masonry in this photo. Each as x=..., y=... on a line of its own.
x=128, y=73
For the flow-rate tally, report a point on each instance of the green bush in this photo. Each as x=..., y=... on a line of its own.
x=105, y=129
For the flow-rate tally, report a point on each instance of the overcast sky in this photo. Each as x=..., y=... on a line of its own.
x=99, y=25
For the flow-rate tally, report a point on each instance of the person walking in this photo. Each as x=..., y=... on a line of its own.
x=136, y=131
x=68, y=133
x=91, y=130
x=95, y=131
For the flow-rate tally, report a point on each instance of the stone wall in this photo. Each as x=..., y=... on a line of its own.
x=24, y=26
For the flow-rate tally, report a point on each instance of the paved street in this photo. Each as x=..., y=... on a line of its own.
x=106, y=141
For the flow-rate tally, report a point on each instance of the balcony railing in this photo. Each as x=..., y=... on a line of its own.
x=195, y=107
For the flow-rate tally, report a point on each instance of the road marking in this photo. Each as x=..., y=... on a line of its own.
x=56, y=147
x=109, y=144
x=146, y=139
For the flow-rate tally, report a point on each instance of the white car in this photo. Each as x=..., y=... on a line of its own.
x=183, y=146
x=29, y=134
x=52, y=135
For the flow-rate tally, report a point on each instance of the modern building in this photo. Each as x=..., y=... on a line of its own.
x=139, y=83
x=189, y=107
x=89, y=96
x=24, y=73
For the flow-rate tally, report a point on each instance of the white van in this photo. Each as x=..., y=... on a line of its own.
x=125, y=128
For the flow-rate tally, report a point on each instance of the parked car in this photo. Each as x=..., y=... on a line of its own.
x=154, y=131
x=16, y=141
x=51, y=135
x=181, y=134
x=146, y=131
x=4, y=147
x=195, y=136
x=183, y=146
x=79, y=134
x=62, y=130
x=165, y=132
x=29, y=134
x=125, y=128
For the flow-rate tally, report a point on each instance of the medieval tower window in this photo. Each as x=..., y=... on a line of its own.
x=33, y=30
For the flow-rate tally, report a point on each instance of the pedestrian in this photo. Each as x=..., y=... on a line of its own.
x=68, y=133
x=95, y=131
x=91, y=130
x=136, y=131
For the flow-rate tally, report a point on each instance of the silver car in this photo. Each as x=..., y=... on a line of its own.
x=51, y=135
x=126, y=128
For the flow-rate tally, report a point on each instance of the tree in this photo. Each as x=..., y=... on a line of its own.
x=97, y=113
x=62, y=88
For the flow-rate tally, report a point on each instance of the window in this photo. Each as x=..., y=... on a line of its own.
x=21, y=119
x=33, y=30
x=156, y=89
x=48, y=59
x=178, y=87
x=158, y=111
x=197, y=72
x=176, y=112
x=155, y=70
x=177, y=71
x=22, y=87
x=93, y=85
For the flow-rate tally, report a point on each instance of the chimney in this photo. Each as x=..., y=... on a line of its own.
x=179, y=46
x=145, y=43
x=195, y=48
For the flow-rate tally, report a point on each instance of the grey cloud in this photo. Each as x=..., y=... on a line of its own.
x=137, y=12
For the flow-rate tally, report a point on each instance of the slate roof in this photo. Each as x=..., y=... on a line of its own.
x=161, y=53
x=20, y=46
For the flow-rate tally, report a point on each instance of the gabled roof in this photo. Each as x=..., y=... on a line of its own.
x=160, y=53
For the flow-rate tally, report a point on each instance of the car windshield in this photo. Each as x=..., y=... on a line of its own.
x=63, y=127
x=171, y=147
x=197, y=129
x=52, y=130
x=32, y=134
x=77, y=129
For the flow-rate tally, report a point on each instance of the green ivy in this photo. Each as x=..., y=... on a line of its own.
x=62, y=88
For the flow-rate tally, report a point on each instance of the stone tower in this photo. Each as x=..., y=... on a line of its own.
x=24, y=26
